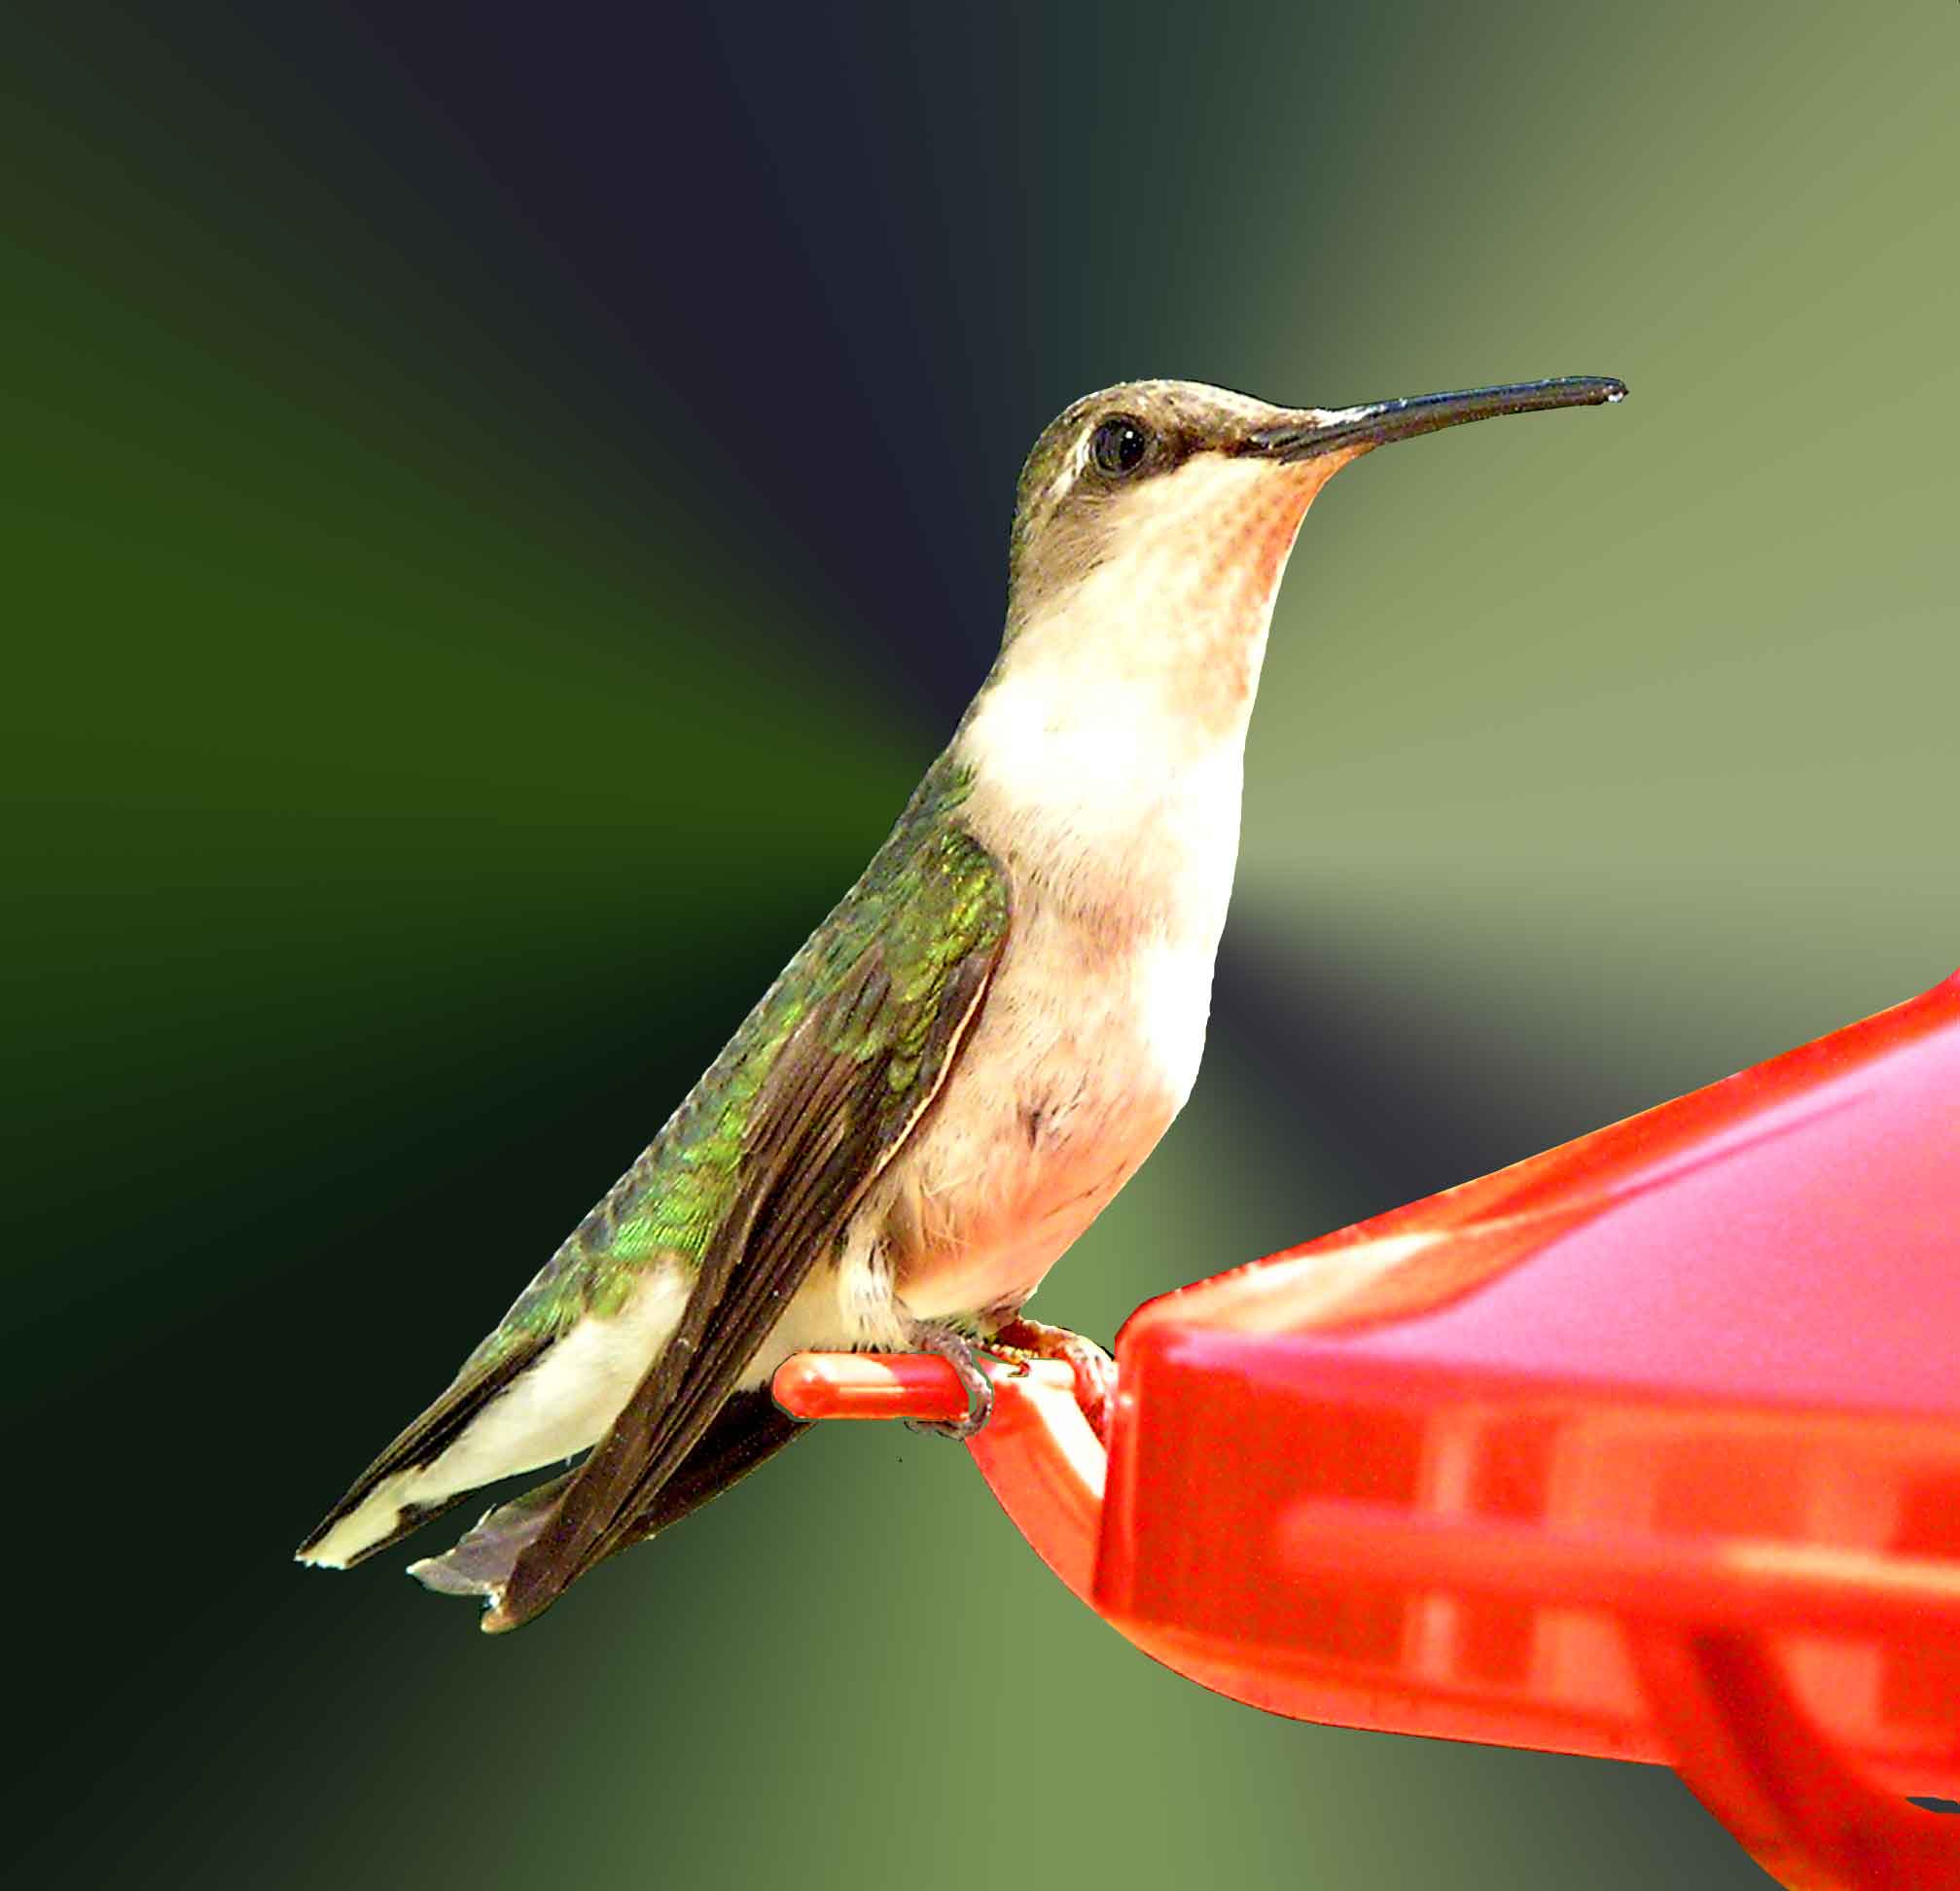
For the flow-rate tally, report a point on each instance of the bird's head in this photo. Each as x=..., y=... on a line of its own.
x=1153, y=521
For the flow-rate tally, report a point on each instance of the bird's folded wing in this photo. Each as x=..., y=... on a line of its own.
x=895, y=980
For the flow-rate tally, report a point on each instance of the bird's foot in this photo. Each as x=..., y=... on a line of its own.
x=1093, y=1369
x=957, y=1350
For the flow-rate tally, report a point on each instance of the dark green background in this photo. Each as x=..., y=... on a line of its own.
x=503, y=505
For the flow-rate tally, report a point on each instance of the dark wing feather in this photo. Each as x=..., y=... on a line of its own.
x=897, y=976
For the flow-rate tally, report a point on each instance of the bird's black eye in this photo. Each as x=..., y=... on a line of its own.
x=1118, y=446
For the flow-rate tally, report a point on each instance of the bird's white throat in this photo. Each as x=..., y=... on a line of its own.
x=1108, y=747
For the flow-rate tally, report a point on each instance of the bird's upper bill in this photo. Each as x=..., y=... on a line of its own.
x=1314, y=431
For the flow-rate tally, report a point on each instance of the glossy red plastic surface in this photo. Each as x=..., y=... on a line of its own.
x=1648, y=1447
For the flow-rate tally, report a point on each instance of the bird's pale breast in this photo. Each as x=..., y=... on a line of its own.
x=1087, y=1049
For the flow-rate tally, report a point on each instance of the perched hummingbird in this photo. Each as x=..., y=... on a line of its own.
x=971, y=1055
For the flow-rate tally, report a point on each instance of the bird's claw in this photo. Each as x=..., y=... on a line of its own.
x=958, y=1353
x=1093, y=1369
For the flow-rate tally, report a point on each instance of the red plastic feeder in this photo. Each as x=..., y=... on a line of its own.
x=1646, y=1448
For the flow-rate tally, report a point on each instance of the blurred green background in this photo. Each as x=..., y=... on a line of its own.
x=504, y=504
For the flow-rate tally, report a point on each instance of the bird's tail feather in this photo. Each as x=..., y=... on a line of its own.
x=749, y=1429
x=482, y=1561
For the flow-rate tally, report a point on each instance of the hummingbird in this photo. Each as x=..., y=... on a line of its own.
x=972, y=1053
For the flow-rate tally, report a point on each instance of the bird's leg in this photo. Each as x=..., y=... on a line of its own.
x=957, y=1350
x=1093, y=1369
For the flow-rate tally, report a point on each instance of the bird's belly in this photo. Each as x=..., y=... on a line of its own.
x=1067, y=1086
x=993, y=1250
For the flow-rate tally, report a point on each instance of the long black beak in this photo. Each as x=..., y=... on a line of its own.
x=1327, y=430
